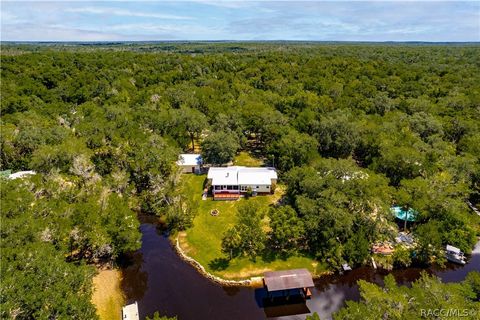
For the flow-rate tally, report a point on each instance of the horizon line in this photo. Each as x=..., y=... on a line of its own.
x=237, y=41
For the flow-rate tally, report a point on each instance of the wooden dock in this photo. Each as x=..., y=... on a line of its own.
x=130, y=312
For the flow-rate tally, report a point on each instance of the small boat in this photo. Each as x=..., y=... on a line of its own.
x=346, y=267
x=454, y=254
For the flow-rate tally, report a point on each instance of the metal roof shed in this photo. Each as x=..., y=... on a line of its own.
x=288, y=279
x=189, y=159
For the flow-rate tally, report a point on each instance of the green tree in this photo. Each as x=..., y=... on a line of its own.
x=287, y=230
x=247, y=237
x=473, y=280
x=219, y=148
x=357, y=248
x=194, y=121
x=429, y=242
x=180, y=213
x=400, y=302
x=343, y=208
x=314, y=316
x=402, y=257
x=156, y=316
x=231, y=243
x=292, y=150
x=337, y=134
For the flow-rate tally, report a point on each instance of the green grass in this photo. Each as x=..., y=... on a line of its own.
x=203, y=241
x=246, y=159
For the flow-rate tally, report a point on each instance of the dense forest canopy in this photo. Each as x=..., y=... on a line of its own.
x=352, y=130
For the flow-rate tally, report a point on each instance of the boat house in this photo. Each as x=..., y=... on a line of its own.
x=229, y=183
x=288, y=282
x=190, y=162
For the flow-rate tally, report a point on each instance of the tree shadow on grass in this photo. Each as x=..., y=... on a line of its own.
x=269, y=255
x=219, y=264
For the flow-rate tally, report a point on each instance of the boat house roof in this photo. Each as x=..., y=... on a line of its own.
x=288, y=279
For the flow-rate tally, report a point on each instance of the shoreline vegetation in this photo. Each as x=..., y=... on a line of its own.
x=254, y=281
x=201, y=269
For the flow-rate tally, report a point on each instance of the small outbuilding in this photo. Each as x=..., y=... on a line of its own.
x=190, y=162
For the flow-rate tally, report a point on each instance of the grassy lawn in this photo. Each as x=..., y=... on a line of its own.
x=203, y=241
x=245, y=159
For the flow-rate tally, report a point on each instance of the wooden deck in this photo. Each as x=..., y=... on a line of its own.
x=226, y=196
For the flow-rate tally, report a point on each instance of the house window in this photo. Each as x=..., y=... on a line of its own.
x=268, y=187
x=229, y=187
x=235, y=187
x=243, y=188
x=257, y=187
x=218, y=187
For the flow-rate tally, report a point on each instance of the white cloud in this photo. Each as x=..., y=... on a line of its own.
x=150, y=27
x=225, y=3
x=10, y=18
x=235, y=20
x=127, y=13
x=57, y=33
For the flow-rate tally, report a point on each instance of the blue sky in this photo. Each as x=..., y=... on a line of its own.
x=240, y=20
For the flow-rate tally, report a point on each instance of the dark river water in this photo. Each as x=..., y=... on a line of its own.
x=160, y=281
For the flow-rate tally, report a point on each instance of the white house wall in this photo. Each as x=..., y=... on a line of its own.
x=258, y=188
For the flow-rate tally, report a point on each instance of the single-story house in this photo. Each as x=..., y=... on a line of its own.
x=190, y=162
x=230, y=182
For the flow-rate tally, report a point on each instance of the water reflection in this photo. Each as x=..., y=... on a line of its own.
x=231, y=291
x=280, y=306
x=286, y=309
x=134, y=280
